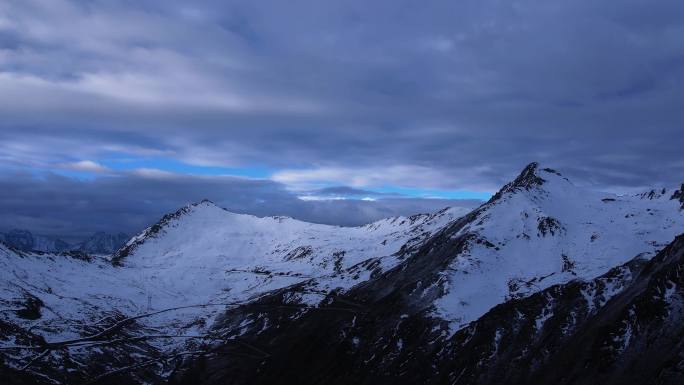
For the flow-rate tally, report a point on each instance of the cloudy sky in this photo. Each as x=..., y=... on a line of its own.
x=114, y=112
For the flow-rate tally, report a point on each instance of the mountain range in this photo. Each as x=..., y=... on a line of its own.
x=546, y=283
x=98, y=243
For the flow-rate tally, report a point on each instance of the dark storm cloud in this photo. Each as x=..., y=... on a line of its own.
x=70, y=208
x=434, y=95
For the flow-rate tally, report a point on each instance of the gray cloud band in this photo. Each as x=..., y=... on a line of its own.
x=72, y=209
x=446, y=95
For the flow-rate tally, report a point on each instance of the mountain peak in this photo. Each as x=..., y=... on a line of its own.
x=156, y=228
x=531, y=177
x=204, y=203
x=528, y=179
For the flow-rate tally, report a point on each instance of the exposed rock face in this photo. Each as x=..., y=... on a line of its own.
x=529, y=178
x=548, y=225
x=679, y=195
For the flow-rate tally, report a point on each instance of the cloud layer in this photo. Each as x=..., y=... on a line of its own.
x=441, y=95
x=73, y=209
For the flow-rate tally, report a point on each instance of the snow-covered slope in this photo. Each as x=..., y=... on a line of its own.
x=542, y=230
x=61, y=292
x=204, y=253
x=425, y=321
x=184, y=274
x=623, y=327
x=195, y=261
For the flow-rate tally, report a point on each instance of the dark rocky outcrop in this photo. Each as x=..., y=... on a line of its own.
x=526, y=180
x=548, y=225
x=679, y=195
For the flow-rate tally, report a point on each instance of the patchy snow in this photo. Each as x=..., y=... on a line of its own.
x=546, y=313
x=670, y=290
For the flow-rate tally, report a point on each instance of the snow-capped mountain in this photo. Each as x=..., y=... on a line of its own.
x=98, y=243
x=209, y=296
x=197, y=261
x=623, y=327
x=102, y=243
x=203, y=253
x=541, y=230
x=26, y=241
x=538, y=232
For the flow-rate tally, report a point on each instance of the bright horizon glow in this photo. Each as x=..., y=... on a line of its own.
x=146, y=166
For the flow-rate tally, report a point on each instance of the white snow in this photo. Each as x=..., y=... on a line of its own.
x=599, y=231
x=205, y=256
x=208, y=255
